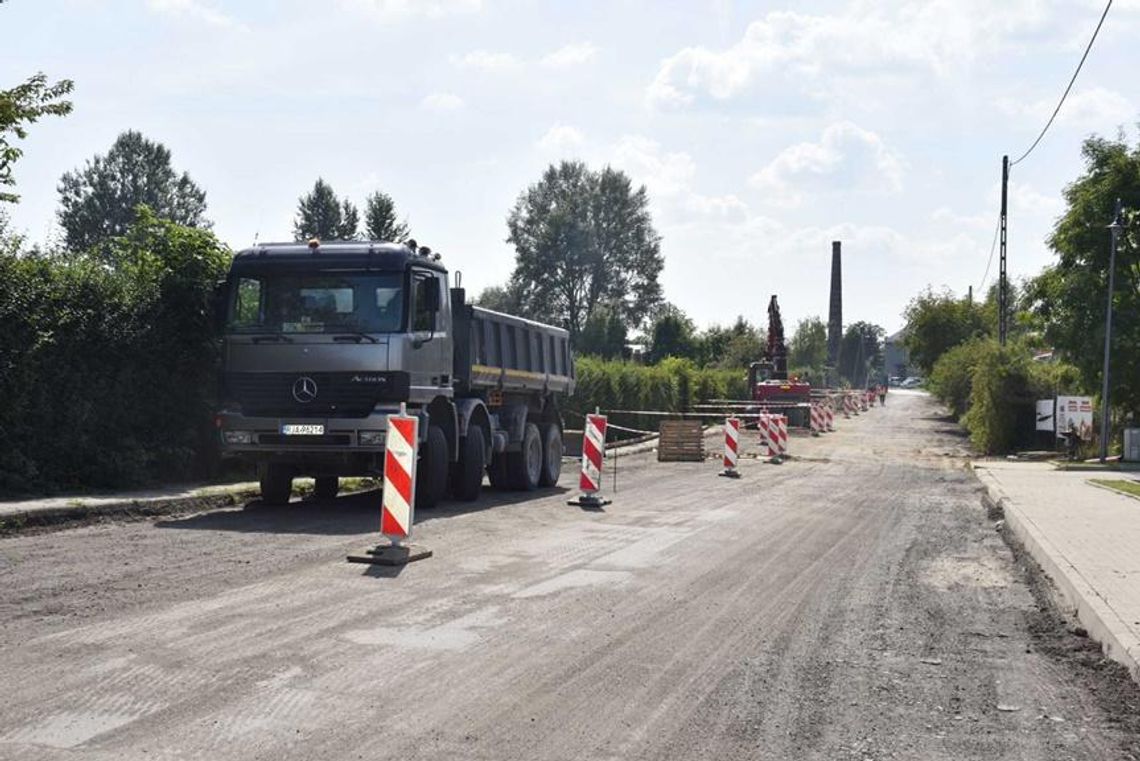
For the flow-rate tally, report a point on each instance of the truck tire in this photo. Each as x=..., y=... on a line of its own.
x=276, y=484
x=467, y=476
x=326, y=487
x=431, y=473
x=551, y=455
x=524, y=467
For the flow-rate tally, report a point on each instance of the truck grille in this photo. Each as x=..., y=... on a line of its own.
x=349, y=395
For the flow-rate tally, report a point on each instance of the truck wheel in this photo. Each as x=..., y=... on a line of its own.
x=551, y=455
x=431, y=474
x=326, y=487
x=276, y=484
x=524, y=467
x=467, y=477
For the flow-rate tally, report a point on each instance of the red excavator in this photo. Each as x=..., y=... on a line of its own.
x=768, y=379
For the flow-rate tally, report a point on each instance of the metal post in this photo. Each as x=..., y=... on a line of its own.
x=1003, y=281
x=1115, y=227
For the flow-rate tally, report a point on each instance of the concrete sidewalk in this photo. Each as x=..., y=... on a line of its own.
x=1086, y=538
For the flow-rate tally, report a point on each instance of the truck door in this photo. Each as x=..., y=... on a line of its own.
x=430, y=358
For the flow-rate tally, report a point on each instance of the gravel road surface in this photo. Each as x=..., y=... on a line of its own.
x=855, y=603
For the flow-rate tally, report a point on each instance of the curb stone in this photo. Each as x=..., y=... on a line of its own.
x=1091, y=609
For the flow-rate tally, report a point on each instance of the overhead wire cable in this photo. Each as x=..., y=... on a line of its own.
x=1067, y=89
x=993, y=247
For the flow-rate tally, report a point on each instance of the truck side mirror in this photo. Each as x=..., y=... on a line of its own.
x=219, y=303
x=432, y=294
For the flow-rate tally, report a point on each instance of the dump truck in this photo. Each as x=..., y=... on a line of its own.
x=323, y=341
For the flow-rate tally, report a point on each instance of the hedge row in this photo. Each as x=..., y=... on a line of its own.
x=108, y=362
x=993, y=390
x=673, y=385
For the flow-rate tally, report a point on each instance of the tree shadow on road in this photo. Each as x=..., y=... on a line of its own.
x=346, y=516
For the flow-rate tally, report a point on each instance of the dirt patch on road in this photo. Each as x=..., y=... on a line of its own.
x=1060, y=636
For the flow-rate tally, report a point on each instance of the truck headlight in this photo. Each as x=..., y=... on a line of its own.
x=371, y=438
x=237, y=437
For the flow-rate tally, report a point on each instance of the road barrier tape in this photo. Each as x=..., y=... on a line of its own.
x=731, y=446
x=398, y=500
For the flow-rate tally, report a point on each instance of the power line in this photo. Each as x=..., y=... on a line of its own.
x=1067, y=89
x=993, y=245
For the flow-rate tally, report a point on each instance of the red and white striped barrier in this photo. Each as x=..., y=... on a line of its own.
x=593, y=454
x=817, y=424
x=828, y=418
x=845, y=400
x=731, y=447
x=398, y=498
x=782, y=434
x=398, y=503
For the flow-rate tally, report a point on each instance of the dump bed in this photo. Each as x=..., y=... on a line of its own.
x=500, y=351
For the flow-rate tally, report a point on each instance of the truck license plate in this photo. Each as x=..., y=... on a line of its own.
x=302, y=430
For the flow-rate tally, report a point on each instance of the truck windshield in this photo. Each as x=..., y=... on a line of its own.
x=317, y=303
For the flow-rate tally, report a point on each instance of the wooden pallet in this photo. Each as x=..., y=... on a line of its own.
x=681, y=441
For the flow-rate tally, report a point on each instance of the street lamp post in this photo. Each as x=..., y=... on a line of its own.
x=1115, y=227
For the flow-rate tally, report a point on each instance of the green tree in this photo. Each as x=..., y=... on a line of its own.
x=671, y=335
x=584, y=238
x=349, y=221
x=320, y=214
x=937, y=322
x=604, y=334
x=1067, y=299
x=98, y=202
x=861, y=354
x=380, y=221
x=502, y=298
x=808, y=347
x=20, y=106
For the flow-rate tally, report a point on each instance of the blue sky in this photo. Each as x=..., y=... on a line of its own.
x=762, y=130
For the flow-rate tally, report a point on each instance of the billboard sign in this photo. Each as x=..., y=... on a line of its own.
x=1075, y=413
x=1045, y=421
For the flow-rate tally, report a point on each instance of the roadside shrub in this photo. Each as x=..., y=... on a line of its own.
x=952, y=376
x=673, y=385
x=108, y=363
x=1002, y=401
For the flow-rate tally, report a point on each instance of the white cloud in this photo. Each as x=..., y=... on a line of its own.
x=668, y=176
x=442, y=102
x=192, y=9
x=396, y=10
x=485, y=60
x=847, y=155
x=1096, y=108
x=940, y=36
x=561, y=139
x=569, y=55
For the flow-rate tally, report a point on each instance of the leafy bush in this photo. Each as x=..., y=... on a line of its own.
x=952, y=377
x=108, y=362
x=673, y=385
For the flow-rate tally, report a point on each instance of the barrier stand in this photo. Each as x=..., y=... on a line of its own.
x=398, y=500
x=764, y=425
x=593, y=453
x=829, y=419
x=845, y=400
x=816, y=420
x=731, y=447
x=782, y=435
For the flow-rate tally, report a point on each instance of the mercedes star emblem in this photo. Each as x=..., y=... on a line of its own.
x=305, y=389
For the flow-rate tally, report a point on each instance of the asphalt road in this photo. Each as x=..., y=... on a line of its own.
x=855, y=603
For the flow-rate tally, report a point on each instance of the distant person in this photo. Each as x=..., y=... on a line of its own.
x=1072, y=440
x=882, y=396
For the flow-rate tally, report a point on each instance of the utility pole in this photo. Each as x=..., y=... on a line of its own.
x=1003, y=281
x=1115, y=228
